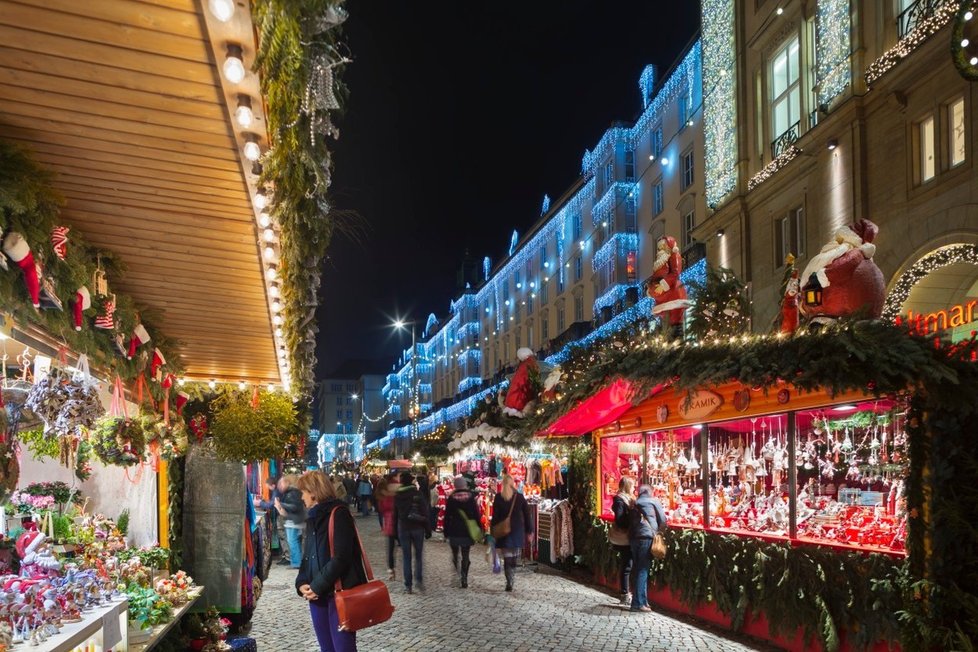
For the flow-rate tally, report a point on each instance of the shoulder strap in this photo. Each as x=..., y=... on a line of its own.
x=363, y=555
x=511, y=507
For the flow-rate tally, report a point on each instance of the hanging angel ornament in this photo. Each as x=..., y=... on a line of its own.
x=320, y=96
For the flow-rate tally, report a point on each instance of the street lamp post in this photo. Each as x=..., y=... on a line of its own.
x=415, y=403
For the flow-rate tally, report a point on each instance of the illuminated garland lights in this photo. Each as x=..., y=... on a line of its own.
x=614, y=294
x=964, y=47
x=618, y=245
x=719, y=99
x=772, y=168
x=833, y=69
x=616, y=194
x=949, y=255
x=943, y=14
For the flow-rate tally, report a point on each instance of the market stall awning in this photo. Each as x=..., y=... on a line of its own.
x=596, y=411
x=125, y=102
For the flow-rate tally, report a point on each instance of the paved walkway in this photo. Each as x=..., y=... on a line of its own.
x=546, y=612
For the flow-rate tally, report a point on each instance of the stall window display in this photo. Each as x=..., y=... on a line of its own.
x=823, y=474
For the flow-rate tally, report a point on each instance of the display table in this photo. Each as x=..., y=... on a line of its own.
x=140, y=642
x=106, y=628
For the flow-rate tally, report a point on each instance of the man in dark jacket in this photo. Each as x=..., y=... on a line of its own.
x=293, y=514
x=413, y=527
x=459, y=507
x=647, y=518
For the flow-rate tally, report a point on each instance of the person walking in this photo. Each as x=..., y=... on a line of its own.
x=647, y=518
x=327, y=559
x=434, y=496
x=621, y=507
x=460, y=508
x=364, y=491
x=510, y=504
x=386, y=490
x=293, y=512
x=277, y=525
x=413, y=527
x=349, y=488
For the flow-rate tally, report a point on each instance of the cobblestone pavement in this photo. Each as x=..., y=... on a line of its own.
x=546, y=612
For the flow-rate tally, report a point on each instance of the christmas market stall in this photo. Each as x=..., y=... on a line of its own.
x=163, y=214
x=818, y=481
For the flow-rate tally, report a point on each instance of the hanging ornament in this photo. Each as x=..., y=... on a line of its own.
x=139, y=337
x=16, y=247
x=156, y=362
x=320, y=97
x=105, y=320
x=59, y=241
x=83, y=301
x=182, y=398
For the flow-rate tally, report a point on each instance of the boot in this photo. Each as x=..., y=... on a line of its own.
x=464, y=579
x=510, y=575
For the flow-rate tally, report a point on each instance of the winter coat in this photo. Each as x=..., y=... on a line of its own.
x=295, y=509
x=324, y=561
x=462, y=501
x=621, y=507
x=364, y=488
x=520, y=523
x=403, y=500
x=647, y=518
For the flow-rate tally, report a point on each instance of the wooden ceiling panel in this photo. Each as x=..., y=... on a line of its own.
x=123, y=100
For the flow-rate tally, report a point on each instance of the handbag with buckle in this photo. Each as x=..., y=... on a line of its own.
x=363, y=605
x=503, y=527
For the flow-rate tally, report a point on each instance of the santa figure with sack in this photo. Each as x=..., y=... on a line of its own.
x=843, y=280
x=666, y=287
x=36, y=559
x=524, y=388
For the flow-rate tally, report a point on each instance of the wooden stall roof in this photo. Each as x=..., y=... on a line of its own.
x=124, y=101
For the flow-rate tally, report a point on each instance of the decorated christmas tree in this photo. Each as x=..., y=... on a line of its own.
x=721, y=308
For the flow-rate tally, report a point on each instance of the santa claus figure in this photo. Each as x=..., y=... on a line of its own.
x=666, y=287
x=36, y=558
x=521, y=397
x=843, y=279
x=789, y=304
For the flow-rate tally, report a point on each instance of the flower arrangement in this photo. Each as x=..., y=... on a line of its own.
x=30, y=504
x=175, y=588
x=147, y=608
x=60, y=491
x=149, y=556
x=207, y=631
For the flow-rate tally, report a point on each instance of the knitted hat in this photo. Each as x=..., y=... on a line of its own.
x=461, y=483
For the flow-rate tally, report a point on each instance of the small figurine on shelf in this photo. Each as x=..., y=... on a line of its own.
x=36, y=559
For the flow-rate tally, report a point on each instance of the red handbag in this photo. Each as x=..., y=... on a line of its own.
x=363, y=605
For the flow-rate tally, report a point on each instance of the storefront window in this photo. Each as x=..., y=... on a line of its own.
x=673, y=469
x=851, y=468
x=748, y=463
x=620, y=457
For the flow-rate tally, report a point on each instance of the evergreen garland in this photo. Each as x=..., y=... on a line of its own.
x=244, y=433
x=295, y=36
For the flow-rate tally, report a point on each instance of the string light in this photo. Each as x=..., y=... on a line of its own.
x=243, y=114
x=242, y=385
x=943, y=14
x=833, y=70
x=252, y=150
x=719, y=99
x=789, y=154
x=264, y=220
x=234, y=70
x=212, y=384
x=223, y=10
x=949, y=255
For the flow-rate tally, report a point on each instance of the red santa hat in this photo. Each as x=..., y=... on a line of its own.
x=28, y=542
x=670, y=244
x=139, y=337
x=16, y=247
x=83, y=301
x=157, y=362
x=182, y=398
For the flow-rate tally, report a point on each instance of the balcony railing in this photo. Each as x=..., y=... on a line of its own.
x=780, y=144
x=912, y=16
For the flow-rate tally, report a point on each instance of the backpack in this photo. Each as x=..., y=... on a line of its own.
x=415, y=514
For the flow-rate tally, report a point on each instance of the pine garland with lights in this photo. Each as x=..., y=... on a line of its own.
x=950, y=255
x=963, y=51
x=30, y=205
x=721, y=308
x=245, y=433
x=298, y=61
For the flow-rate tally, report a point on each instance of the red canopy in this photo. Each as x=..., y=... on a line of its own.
x=597, y=411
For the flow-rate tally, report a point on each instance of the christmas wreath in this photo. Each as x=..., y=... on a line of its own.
x=169, y=441
x=119, y=441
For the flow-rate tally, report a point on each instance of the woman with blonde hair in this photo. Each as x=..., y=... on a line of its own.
x=327, y=559
x=510, y=505
x=621, y=507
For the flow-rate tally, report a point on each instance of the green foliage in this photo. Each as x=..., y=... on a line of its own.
x=245, y=434
x=721, y=308
x=433, y=446
x=39, y=444
x=118, y=441
x=122, y=523
x=175, y=477
x=146, y=608
x=30, y=206
x=292, y=36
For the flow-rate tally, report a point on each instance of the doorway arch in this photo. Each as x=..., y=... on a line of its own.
x=954, y=254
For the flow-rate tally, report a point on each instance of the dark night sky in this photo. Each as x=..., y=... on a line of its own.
x=461, y=116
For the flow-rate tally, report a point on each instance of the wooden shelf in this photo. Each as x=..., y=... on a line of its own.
x=91, y=626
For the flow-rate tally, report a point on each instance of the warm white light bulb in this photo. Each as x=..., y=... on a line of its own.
x=968, y=15
x=234, y=70
x=276, y=306
x=965, y=42
x=264, y=220
x=243, y=116
x=780, y=11
x=212, y=384
x=269, y=253
x=273, y=289
x=242, y=385
x=271, y=387
x=269, y=235
x=261, y=200
x=277, y=320
x=974, y=61
x=221, y=9
x=181, y=382
x=252, y=151
x=271, y=273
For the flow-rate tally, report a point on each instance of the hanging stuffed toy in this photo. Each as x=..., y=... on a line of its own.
x=521, y=398
x=83, y=301
x=16, y=247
